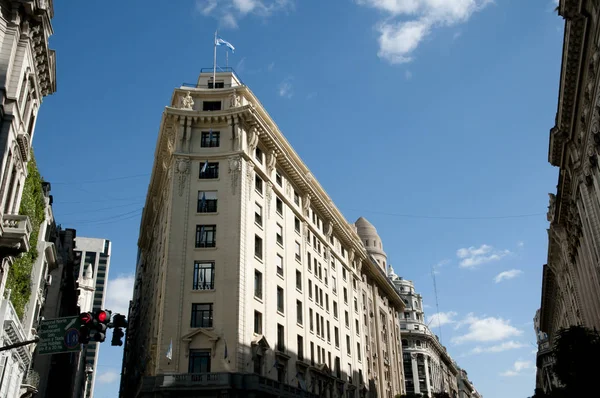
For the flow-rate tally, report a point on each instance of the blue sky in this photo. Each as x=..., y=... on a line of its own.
x=428, y=117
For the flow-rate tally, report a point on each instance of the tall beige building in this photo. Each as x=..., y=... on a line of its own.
x=249, y=280
x=571, y=278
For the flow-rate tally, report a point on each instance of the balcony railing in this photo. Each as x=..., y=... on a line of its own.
x=15, y=231
x=235, y=381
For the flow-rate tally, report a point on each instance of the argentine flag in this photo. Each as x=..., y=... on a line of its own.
x=220, y=42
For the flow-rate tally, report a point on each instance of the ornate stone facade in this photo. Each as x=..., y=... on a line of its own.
x=248, y=270
x=571, y=278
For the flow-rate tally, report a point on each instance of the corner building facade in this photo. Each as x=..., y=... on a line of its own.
x=249, y=281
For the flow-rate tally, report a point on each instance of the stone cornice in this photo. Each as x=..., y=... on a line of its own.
x=441, y=351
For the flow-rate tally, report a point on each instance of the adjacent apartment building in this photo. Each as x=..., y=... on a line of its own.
x=249, y=281
x=571, y=277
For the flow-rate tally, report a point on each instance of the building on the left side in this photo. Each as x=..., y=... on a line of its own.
x=27, y=75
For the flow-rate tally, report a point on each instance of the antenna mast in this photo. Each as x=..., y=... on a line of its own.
x=437, y=304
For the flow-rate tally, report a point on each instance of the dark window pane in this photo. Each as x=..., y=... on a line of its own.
x=204, y=276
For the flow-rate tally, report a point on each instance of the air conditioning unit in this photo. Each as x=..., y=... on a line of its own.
x=48, y=280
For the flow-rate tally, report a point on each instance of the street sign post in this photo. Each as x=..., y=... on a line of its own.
x=59, y=335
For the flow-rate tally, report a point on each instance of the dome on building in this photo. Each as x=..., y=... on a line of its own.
x=371, y=240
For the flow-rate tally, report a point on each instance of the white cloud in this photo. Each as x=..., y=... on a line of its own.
x=506, y=275
x=119, y=292
x=486, y=329
x=473, y=256
x=398, y=39
x=505, y=346
x=286, y=89
x=520, y=244
x=518, y=367
x=441, y=318
x=271, y=66
x=110, y=376
x=408, y=75
x=229, y=12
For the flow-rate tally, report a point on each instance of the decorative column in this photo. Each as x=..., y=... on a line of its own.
x=415, y=369
x=427, y=375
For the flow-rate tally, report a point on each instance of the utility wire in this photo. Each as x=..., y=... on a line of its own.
x=105, y=218
x=100, y=209
x=60, y=202
x=101, y=180
x=137, y=214
x=450, y=217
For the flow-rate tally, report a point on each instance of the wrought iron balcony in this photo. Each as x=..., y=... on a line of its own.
x=15, y=231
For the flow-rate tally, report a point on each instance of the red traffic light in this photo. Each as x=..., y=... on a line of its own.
x=85, y=317
x=102, y=316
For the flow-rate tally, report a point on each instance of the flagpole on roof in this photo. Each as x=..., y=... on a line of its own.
x=215, y=63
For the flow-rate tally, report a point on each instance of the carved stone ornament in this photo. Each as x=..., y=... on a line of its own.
x=235, y=167
x=350, y=256
x=288, y=188
x=306, y=204
x=253, y=136
x=326, y=254
x=328, y=228
x=182, y=168
x=249, y=177
x=268, y=197
x=271, y=162
x=551, y=207
x=237, y=131
x=234, y=100
x=187, y=102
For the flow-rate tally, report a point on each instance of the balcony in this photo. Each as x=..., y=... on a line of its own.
x=261, y=386
x=13, y=330
x=15, y=231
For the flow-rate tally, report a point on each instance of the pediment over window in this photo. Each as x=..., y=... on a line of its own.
x=261, y=342
x=212, y=337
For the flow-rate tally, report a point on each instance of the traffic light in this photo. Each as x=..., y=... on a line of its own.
x=101, y=321
x=117, y=336
x=86, y=321
x=119, y=321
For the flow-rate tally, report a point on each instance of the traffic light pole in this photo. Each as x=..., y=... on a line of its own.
x=22, y=343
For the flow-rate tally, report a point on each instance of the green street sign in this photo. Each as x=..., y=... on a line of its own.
x=58, y=335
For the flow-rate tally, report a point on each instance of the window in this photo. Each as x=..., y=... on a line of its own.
x=279, y=206
x=335, y=309
x=297, y=224
x=278, y=178
x=310, y=319
x=209, y=170
x=279, y=263
x=336, y=336
x=300, y=348
x=279, y=299
x=298, y=280
x=310, y=289
x=347, y=318
x=257, y=322
x=312, y=353
x=328, y=333
x=299, y=319
x=296, y=198
x=344, y=273
x=355, y=304
x=280, y=338
x=279, y=234
x=258, y=184
x=258, y=251
x=356, y=325
x=358, y=351
x=334, y=284
x=327, y=302
x=217, y=84
x=202, y=316
x=348, y=349
x=199, y=361
x=407, y=315
x=211, y=105
x=298, y=250
x=354, y=283
x=345, y=295
x=207, y=202
x=318, y=324
x=210, y=139
x=206, y=235
x=258, y=154
x=325, y=272
x=257, y=284
x=258, y=214
x=416, y=327
x=308, y=257
x=418, y=343
x=343, y=252
x=404, y=343
x=204, y=275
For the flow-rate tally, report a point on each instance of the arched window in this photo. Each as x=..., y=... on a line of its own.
x=404, y=343
x=418, y=343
